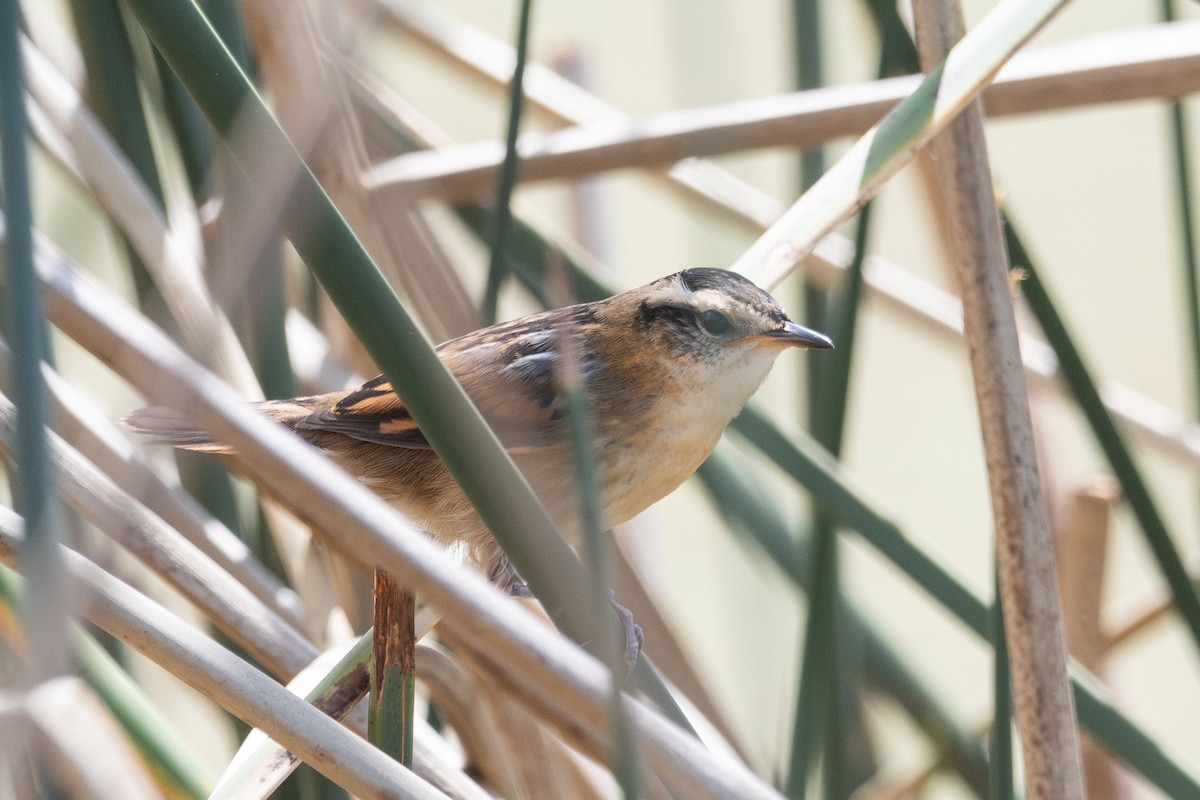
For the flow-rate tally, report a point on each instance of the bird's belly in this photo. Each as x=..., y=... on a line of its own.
x=643, y=474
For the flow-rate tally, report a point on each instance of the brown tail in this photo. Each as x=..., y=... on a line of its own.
x=167, y=426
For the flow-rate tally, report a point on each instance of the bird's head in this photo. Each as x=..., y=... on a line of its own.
x=711, y=315
x=714, y=331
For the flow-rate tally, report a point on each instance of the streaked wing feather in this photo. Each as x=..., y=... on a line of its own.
x=519, y=399
x=371, y=413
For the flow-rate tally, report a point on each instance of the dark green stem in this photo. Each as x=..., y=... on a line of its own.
x=498, y=269
x=44, y=614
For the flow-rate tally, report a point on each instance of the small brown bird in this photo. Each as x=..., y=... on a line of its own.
x=665, y=368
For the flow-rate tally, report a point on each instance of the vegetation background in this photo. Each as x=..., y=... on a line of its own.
x=1096, y=180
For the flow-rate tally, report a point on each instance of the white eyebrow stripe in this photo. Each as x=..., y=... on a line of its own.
x=673, y=292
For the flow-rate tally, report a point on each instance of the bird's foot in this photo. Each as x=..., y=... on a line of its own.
x=520, y=591
x=630, y=630
x=634, y=638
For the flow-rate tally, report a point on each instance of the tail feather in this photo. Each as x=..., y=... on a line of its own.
x=168, y=427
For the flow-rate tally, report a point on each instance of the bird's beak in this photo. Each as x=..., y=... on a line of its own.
x=792, y=335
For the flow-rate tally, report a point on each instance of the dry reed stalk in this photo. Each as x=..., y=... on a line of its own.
x=457, y=700
x=436, y=758
x=1042, y=702
x=1082, y=559
x=243, y=690
x=84, y=149
x=301, y=66
x=529, y=748
x=83, y=427
x=261, y=765
x=1152, y=61
x=233, y=684
x=225, y=601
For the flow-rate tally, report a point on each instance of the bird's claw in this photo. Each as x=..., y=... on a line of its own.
x=520, y=591
x=634, y=637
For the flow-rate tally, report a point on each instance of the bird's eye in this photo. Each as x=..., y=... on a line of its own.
x=714, y=322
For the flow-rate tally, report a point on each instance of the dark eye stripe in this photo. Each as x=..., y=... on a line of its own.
x=676, y=315
x=684, y=318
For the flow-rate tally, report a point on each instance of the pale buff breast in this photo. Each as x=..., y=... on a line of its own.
x=646, y=475
x=665, y=447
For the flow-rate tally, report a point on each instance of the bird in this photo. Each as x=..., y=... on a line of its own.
x=664, y=367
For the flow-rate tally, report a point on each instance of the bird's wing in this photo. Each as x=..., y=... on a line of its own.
x=511, y=379
x=372, y=413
